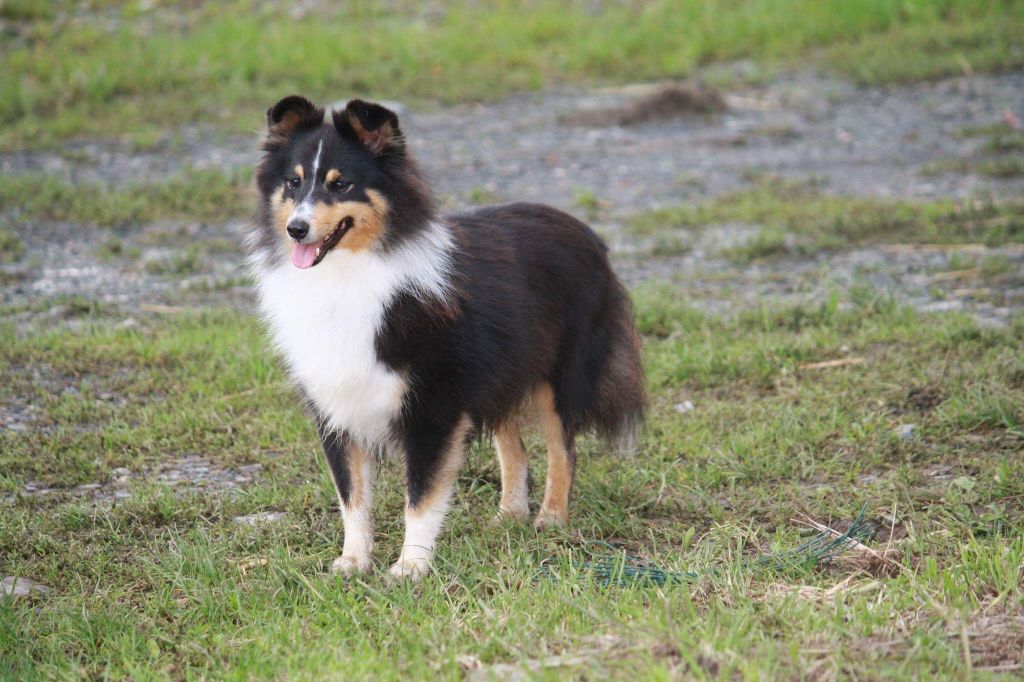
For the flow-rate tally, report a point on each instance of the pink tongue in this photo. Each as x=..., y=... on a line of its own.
x=303, y=255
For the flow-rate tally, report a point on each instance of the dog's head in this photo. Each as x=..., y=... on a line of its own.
x=346, y=184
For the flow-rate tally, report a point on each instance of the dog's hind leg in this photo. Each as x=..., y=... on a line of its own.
x=352, y=469
x=433, y=458
x=513, y=459
x=554, y=511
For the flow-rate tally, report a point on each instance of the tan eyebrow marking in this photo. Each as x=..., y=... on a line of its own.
x=332, y=175
x=298, y=171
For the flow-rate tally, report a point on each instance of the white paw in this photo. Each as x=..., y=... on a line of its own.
x=350, y=565
x=550, y=519
x=410, y=569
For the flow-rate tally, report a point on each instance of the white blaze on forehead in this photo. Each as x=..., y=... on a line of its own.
x=316, y=160
x=304, y=210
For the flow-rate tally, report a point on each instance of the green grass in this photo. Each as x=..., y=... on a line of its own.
x=222, y=64
x=12, y=248
x=165, y=585
x=998, y=156
x=994, y=167
x=923, y=50
x=797, y=218
x=197, y=195
x=588, y=202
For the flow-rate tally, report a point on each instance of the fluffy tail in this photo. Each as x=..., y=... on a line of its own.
x=621, y=398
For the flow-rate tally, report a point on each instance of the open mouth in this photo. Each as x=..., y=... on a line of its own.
x=307, y=255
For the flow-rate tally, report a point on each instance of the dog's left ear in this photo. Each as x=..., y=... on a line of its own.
x=373, y=126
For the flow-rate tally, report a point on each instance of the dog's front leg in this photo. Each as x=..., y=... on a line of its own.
x=433, y=457
x=352, y=469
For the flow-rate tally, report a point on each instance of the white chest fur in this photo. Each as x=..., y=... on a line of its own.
x=324, y=320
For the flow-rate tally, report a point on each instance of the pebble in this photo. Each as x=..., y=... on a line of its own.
x=259, y=517
x=16, y=586
x=906, y=431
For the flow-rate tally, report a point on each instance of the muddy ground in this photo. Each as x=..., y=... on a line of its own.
x=872, y=142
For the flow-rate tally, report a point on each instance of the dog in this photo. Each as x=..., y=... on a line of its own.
x=410, y=332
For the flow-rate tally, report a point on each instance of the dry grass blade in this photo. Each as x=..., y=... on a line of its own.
x=858, y=555
x=827, y=364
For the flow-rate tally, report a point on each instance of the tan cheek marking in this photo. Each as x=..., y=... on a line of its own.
x=332, y=175
x=369, y=225
x=368, y=218
x=299, y=172
x=327, y=216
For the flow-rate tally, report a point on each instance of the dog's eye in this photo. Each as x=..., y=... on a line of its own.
x=340, y=185
x=294, y=182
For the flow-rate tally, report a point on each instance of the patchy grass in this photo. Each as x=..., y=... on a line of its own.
x=114, y=248
x=1005, y=141
x=587, y=201
x=798, y=218
x=195, y=195
x=994, y=167
x=481, y=196
x=222, y=64
x=163, y=584
x=998, y=156
x=972, y=43
x=12, y=248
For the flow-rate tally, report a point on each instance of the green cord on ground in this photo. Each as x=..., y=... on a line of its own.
x=616, y=567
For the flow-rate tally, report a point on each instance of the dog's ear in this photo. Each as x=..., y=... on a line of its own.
x=290, y=112
x=373, y=126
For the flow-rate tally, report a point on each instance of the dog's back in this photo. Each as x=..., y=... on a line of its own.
x=543, y=300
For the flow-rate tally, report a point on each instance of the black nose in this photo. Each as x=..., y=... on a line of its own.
x=298, y=229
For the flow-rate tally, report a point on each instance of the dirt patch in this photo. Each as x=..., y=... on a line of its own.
x=190, y=473
x=667, y=102
x=924, y=398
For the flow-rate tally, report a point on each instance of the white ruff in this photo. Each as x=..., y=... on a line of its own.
x=324, y=320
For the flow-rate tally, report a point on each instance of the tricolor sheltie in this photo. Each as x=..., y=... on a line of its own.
x=408, y=331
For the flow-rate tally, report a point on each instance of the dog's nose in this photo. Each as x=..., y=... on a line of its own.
x=298, y=229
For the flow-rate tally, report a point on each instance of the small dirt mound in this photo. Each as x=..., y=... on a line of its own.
x=667, y=102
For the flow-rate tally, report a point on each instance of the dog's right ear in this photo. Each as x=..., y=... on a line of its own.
x=290, y=112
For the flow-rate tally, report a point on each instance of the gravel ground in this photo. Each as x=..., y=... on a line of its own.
x=857, y=141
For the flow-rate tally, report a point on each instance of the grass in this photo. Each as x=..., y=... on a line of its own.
x=797, y=218
x=998, y=156
x=163, y=584
x=1004, y=167
x=587, y=201
x=197, y=195
x=184, y=262
x=221, y=65
x=114, y=248
x=12, y=248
